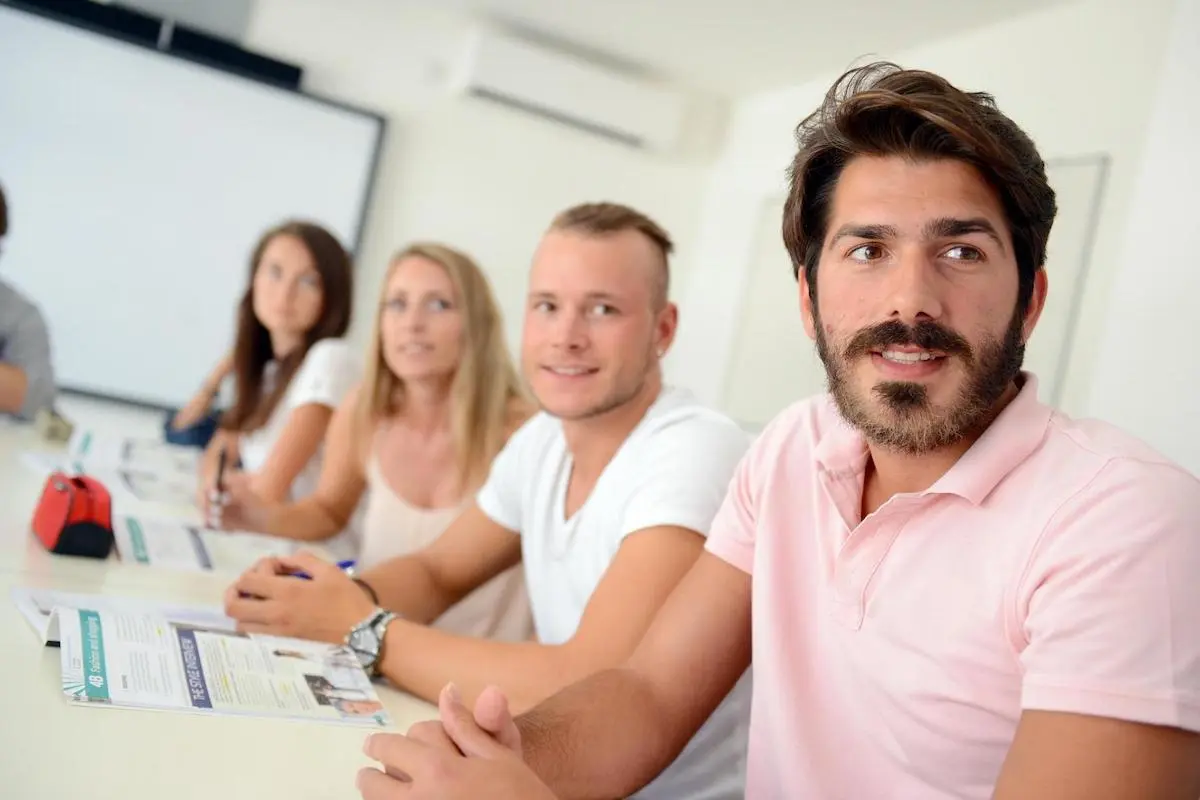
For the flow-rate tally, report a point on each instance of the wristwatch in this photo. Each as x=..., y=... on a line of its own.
x=366, y=639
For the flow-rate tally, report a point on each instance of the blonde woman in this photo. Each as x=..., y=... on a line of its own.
x=438, y=400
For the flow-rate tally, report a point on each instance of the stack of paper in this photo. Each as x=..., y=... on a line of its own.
x=176, y=545
x=117, y=654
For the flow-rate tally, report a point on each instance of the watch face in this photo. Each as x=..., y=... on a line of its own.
x=365, y=645
x=365, y=659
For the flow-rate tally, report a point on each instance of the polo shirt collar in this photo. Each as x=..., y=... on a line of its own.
x=1011, y=438
x=1005, y=445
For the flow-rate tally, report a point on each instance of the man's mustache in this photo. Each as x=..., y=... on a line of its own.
x=927, y=335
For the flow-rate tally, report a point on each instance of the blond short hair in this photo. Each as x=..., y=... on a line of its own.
x=603, y=219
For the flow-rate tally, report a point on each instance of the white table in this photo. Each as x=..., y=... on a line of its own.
x=52, y=750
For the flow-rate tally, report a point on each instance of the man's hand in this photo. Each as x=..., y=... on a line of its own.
x=269, y=598
x=429, y=763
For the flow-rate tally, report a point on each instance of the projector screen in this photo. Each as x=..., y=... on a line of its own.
x=137, y=185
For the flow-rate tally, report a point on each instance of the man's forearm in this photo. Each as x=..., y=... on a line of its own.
x=405, y=585
x=422, y=660
x=14, y=383
x=600, y=738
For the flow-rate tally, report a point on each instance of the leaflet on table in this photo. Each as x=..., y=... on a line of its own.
x=37, y=606
x=125, y=486
x=119, y=659
x=132, y=454
x=172, y=544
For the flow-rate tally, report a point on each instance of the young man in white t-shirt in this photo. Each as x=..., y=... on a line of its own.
x=606, y=497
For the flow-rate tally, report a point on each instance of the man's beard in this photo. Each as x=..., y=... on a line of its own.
x=908, y=422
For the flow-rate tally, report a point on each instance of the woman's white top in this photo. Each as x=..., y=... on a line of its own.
x=331, y=368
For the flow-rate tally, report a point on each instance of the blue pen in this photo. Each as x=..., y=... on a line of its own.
x=344, y=566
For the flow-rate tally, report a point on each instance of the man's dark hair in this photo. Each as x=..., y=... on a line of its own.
x=3, y=213
x=883, y=110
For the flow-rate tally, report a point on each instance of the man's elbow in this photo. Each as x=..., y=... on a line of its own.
x=14, y=391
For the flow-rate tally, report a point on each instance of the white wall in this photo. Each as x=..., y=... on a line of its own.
x=1079, y=79
x=1147, y=379
x=480, y=177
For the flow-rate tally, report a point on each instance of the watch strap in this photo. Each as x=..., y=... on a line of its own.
x=379, y=625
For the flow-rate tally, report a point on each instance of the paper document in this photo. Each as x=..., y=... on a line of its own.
x=176, y=545
x=126, y=486
x=132, y=454
x=37, y=606
x=117, y=659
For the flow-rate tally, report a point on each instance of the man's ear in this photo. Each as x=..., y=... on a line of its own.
x=1037, y=302
x=806, y=305
x=665, y=326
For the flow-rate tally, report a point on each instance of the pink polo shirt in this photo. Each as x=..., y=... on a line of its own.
x=1056, y=566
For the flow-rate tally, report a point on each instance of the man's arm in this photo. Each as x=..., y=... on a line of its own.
x=1061, y=756
x=13, y=386
x=647, y=567
x=1109, y=611
x=612, y=733
x=420, y=586
x=27, y=374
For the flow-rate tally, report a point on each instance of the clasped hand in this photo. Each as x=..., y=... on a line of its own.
x=461, y=756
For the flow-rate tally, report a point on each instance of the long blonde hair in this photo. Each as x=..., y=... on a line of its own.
x=486, y=396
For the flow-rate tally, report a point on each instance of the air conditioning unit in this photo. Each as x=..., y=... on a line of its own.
x=571, y=90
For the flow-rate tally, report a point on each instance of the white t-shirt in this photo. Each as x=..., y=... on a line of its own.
x=330, y=370
x=673, y=469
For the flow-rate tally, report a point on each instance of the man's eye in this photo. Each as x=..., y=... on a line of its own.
x=961, y=252
x=866, y=252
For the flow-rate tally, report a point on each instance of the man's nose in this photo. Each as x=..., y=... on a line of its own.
x=914, y=288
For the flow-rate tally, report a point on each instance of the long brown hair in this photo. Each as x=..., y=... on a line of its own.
x=486, y=393
x=252, y=407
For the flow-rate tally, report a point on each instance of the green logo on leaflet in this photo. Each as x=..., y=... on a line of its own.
x=95, y=676
x=138, y=540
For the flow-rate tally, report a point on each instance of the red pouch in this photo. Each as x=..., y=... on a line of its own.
x=74, y=516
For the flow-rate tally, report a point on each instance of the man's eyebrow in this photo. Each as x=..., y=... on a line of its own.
x=590, y=297
x=608, y=297
x=859, y=231
x=950, y=227
x=940, y=228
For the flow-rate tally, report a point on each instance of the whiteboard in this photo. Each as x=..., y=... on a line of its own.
x=137, y=185
x=774, y=363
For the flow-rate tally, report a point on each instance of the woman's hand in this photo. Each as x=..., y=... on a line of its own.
x=237, y=507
